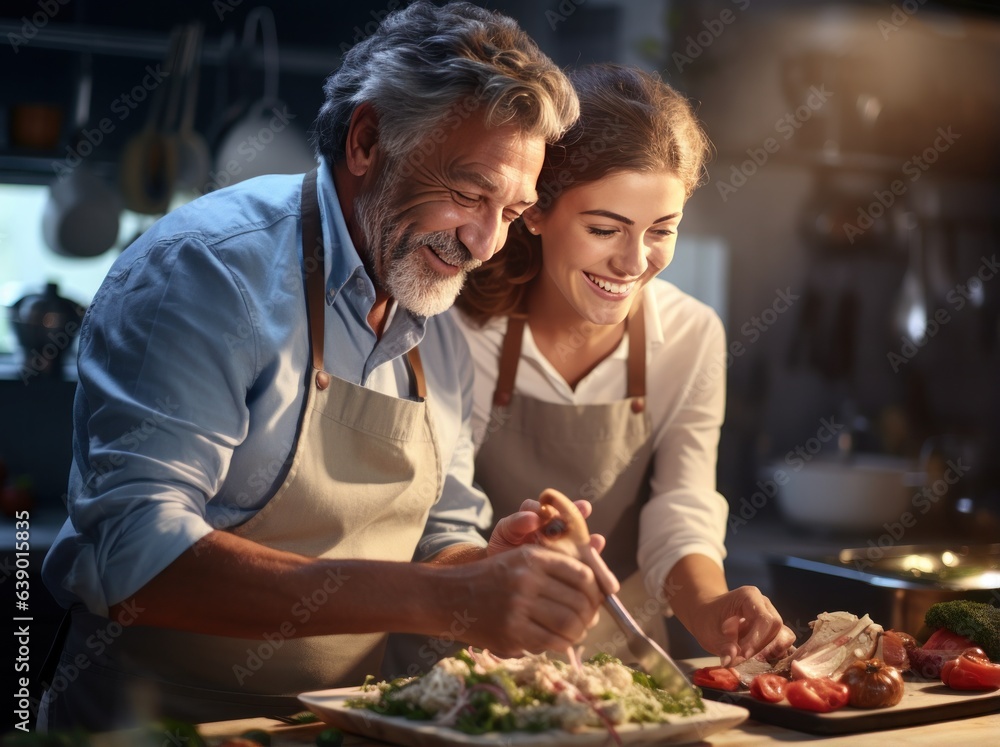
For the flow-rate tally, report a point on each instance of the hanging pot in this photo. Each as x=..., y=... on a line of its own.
x=81, y=216
x=264, y=140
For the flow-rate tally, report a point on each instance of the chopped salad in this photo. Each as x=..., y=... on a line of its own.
x=477, y=692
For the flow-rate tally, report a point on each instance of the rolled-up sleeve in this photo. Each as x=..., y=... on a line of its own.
x=160, y=406
x=685, y=513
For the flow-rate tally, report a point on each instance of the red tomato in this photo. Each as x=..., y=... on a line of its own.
x=972, y=670
x=769, y=687
x=819, y=694
x=719, y=678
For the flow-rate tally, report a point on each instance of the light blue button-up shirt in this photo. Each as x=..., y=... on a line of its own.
x=193, y=362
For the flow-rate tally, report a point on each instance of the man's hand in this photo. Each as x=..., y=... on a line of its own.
x=519, y=528
x=530, y=599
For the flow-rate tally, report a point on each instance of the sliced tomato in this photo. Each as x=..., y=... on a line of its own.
x=972, y=670
x=819, y=694
x=769, y=687
x=718, y=678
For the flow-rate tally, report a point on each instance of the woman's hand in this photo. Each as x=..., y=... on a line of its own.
x=740, y=624
x=519, y=528
x=736, y=625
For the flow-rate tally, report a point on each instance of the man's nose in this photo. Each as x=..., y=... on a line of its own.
x=484, y=236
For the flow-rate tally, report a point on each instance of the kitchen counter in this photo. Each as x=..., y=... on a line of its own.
x=979, y=729
x=972, y=730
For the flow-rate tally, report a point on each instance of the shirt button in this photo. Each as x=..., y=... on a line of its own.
x=322, y=380
x=638, y=405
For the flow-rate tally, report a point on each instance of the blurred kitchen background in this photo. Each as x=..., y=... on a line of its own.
x=847, y=233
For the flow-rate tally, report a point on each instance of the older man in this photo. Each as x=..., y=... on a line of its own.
x=271, y=424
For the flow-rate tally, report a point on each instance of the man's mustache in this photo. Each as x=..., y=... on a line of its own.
x=446, y=246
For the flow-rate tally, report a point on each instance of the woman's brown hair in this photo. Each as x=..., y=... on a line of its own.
x=629, y=120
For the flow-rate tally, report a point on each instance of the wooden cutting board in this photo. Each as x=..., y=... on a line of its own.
x=923, y=703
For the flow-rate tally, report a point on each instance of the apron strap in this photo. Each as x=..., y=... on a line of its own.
x=312, y=246
x=636, y=326
x=510, y=356
x=419, y=383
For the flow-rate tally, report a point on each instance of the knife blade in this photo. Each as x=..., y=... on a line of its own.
x=565, y=530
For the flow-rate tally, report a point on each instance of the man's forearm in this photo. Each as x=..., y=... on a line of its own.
x=228, y=585
x=460, y=553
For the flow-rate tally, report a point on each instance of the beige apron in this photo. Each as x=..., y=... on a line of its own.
x=602, y=453
x=364, y=475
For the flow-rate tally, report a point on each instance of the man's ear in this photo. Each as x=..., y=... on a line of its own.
x=362, y=139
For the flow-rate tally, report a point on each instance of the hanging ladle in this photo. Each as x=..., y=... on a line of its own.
x=910, y=318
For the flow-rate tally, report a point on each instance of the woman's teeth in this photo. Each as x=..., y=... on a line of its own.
x=604, y=285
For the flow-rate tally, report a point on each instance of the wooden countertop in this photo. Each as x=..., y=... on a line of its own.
x=977, y=730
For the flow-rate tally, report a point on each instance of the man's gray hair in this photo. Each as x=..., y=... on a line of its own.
x=427, y=65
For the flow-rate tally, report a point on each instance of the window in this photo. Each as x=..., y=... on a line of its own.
x=27, y=264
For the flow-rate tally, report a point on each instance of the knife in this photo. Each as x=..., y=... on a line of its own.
x=565, y=530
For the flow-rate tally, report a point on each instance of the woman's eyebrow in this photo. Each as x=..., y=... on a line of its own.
x=612, y=216
x=623, y=219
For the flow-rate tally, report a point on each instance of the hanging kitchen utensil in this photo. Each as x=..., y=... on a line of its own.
x=843, y=335
x=807, y=329
x=149, y=161
x=940, y=260
x=910, y=315
x=81, y=216
x=194, y=160
x=264, y=141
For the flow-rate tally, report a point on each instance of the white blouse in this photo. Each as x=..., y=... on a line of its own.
x=685, y=397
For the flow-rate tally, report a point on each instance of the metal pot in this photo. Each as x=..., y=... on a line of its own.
x=46, y=324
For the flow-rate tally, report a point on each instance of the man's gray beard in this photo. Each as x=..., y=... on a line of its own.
x=392, y=254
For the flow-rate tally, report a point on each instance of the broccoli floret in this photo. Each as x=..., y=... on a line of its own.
x=977, y=621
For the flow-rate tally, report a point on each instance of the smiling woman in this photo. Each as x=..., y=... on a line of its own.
x=586, y=364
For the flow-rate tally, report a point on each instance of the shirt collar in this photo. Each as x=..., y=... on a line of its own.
x=341, y=265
